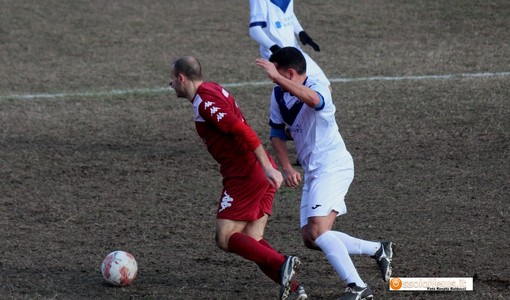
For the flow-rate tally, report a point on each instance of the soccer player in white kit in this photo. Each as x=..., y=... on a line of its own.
x=274, y=25
x=304, y=105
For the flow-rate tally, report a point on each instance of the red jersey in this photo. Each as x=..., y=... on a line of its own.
x=216, y=111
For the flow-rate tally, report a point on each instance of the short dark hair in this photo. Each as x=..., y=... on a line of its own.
x=188, y=66
x=289, y=57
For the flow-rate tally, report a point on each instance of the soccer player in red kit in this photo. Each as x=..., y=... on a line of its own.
x=250, y=177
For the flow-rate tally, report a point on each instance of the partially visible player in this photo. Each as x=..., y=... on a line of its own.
x=274, y=25
x=304, y=105
x=250, y=177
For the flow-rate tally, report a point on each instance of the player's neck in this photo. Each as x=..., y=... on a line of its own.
x=192, y=89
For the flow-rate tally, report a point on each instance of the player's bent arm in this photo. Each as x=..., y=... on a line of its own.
x=304, y=93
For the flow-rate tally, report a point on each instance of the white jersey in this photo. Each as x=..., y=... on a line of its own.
x=318, y=142
x=277, y=20
x=280, y=26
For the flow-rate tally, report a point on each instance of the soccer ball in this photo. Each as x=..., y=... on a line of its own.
x=119, y=268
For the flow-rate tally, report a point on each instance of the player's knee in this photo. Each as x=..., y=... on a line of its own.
x=308, y=240
x=310, y=233
x=221, y=242
x=310, y=244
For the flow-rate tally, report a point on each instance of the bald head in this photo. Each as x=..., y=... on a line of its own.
x=187, y=66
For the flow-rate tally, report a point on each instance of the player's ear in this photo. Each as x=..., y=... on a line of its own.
x=291, y=73
x=181, y=77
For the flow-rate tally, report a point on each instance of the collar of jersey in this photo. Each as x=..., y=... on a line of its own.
x=282, y=4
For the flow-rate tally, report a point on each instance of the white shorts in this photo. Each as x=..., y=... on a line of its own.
x=325, y=192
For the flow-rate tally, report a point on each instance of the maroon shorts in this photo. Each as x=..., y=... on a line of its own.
x=246, y=198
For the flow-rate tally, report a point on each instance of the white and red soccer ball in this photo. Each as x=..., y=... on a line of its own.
x=119, y=268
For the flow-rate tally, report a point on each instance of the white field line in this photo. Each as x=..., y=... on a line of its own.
x=250, y=83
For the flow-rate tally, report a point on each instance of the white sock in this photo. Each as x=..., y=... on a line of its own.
x=357, y=246
x=338, y=257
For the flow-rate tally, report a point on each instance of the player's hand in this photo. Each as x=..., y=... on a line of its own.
x=307, y=40
x=269, y=67
x=275, y=177
x=275, y=48
x=292, y=178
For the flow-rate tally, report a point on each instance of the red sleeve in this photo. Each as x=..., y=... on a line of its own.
x=219, y=114
x=217, y=106
x=247, y=134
